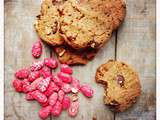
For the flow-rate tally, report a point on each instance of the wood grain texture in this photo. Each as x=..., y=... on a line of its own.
x=92, y=107
x=19, y=37
x=135, y=45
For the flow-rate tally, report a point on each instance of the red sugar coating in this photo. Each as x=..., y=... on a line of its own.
x=45, y=72
x=66, y=102
x=31, y=87
x=17, y=84
x=66, y=88
x=61, y=95
x=57, y=109
x=33, y=75
x=22, y=74
x=43, y=84
x=66, y=69
x=87, y=90
x=37, y=49
x=53, y=99
x=57, y=80
x=29, y=96
x=40, y=97
x=45, y=104
x=65, y=77
x=50, y=89
x=44, y=112
x=51, y=63
x=75, y=83
x=26, y=85
x=37, y=65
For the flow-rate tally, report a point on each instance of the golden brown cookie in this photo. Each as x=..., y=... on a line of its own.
x=71, y=57
x=121, y=83
x=84, y=23
x=47, y=24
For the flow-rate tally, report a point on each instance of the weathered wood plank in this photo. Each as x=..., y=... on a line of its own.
x=137, y=33
x=19, y=36
x=136, y=46
x=93, y=107
x=19, y=29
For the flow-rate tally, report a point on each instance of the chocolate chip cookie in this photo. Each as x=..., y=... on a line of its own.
x=121, y=84
x=81, y=24
x=84, y=23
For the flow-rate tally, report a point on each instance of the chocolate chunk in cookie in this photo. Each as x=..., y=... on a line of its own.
x=120, y=80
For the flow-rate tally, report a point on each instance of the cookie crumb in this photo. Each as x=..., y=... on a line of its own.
x=62, y=53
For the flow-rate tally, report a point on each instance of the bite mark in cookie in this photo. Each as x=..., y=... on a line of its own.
x=121, y=84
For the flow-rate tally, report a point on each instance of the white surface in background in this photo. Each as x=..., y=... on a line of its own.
x=1, y=60
x=158, y=60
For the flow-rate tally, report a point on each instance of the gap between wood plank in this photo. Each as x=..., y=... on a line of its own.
x=116, y=37
x=115, y=57
x=51, y=55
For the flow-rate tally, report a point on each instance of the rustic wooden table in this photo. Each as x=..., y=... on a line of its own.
x=134, y=42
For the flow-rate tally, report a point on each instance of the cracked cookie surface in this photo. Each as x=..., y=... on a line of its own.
x=121, y=84
x=80, y=23
x=84, y=27
x=47, y=24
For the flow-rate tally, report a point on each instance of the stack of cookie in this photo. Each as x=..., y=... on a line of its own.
x=78, y=28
